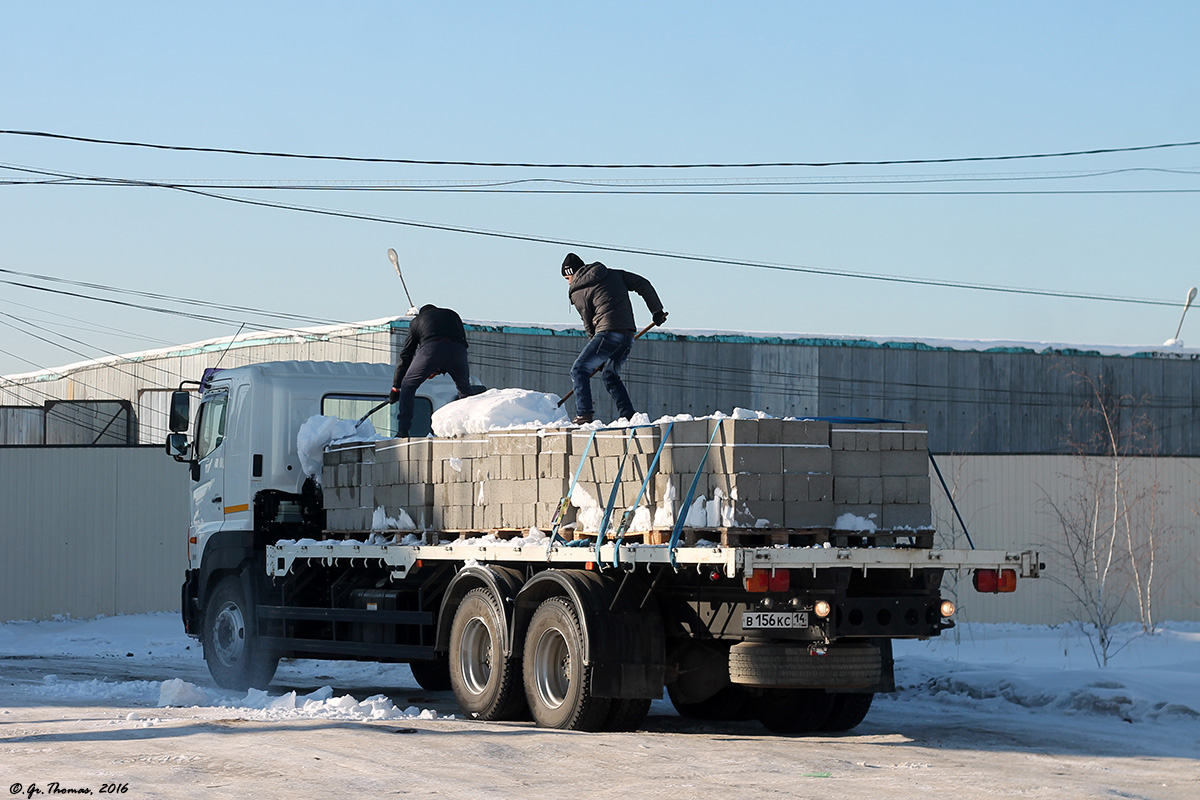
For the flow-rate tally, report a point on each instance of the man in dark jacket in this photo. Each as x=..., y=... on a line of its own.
x=601, y=296
x=436, y=343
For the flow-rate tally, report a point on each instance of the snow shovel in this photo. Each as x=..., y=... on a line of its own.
x=566, y=396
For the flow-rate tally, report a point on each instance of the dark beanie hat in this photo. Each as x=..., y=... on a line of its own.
x=571, y=263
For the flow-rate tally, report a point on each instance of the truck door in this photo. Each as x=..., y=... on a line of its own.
x=208, y=494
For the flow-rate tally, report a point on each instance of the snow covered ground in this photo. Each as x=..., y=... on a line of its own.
x=1001, y=692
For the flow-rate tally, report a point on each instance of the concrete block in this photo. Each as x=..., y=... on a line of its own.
x=556, y=442
x=695, y=431
x=820, y=487
x=492, y=518
x=681, y=458
x=770, y=431
x=808, y=514
x=742, y=486
x=752, y=513
x=804, y=431
x=857, y=463
x=755, y=459
x=770, y=487
x=512, y=467
x=531, y=467
x=733, y=431
x=916, y=437
x=904, y=463
x=513, y=443
x=920, y=489
x=845, y=490
x=905, y=516
x=366, y=496
x=551, y=490
x=803, y=459
x=843, y=439
x=895, y=489
x=891, y=438
x=517, y=515
x=554, y=465
x=870, y=490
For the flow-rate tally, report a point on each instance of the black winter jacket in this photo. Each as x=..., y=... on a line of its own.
x=429, y=324
x=601, y=296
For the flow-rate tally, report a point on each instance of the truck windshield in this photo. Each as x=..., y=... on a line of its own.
x=353, y=406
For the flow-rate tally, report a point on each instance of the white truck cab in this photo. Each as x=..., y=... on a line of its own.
x=245, y=465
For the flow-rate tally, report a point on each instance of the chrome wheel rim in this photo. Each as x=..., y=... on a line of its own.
x=475, y=656
x=552, y=668
x=229, y=635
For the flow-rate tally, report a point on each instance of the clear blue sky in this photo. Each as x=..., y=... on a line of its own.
x=606, y=83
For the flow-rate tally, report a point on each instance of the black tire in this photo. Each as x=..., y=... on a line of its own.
x=235, y=658
x=849, y=709
x=843, y=666
x=556, y=678
x=730, y=703
x=626, y=714
x=794, y=710
x=486, y=684
x=432, y=676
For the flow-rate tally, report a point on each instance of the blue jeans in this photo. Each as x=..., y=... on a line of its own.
x=609, y=348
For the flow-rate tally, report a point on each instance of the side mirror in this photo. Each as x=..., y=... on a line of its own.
x=181, y=408
x=177, y=446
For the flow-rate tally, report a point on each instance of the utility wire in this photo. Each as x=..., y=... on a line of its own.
x=715, y=165
x=657, y=253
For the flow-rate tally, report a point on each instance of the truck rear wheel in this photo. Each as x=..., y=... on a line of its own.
x=849, y=709
x=486, y=684
x=794, y=710
x=236, y=660
x=556, y=678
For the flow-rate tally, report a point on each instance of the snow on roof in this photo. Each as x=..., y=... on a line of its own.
x=339, y=330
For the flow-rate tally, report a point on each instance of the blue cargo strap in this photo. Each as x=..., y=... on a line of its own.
x=565, y=503
x=612, y=495
x=950, y=497
x=627, y=517
x=687, y=501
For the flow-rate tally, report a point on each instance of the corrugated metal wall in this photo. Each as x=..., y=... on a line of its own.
x=86, y=531
x=1004, y=502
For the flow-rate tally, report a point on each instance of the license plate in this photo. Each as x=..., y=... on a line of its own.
x=774, y=619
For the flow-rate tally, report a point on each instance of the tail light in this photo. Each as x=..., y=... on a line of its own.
x=769, y=580
x=991, y=581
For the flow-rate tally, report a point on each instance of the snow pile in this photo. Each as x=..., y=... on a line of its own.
x=319, y=704
x=851, y=522
x=498, y=409
x=319, y=431
x=380, y=521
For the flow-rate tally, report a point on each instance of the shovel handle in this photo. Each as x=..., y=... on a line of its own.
x=639, y=335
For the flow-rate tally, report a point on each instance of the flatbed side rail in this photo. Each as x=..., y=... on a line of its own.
x=731, y=561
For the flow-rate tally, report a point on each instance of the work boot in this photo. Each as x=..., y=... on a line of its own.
x=402, y=434
x=583, y=419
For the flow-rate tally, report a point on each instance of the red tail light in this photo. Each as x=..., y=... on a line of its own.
x=769, y=580
x=992, y=581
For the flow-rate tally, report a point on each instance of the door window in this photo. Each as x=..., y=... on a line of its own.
x=211, y=426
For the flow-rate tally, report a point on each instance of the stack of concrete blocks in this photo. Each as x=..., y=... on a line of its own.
x=758, y=474
x=348, y=486
x=881, y=474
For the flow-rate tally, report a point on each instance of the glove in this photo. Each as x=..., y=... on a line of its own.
x=660, y=317
x=393, y=395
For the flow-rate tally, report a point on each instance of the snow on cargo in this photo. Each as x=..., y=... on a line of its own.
x=498, y=409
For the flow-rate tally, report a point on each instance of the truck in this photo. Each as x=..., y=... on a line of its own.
x=749, y=568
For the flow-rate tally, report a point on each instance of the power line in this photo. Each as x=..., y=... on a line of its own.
x=714, y=165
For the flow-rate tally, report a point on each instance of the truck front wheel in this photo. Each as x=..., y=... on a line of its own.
x=235, y=658
x=556, y=678
x=485, y=683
